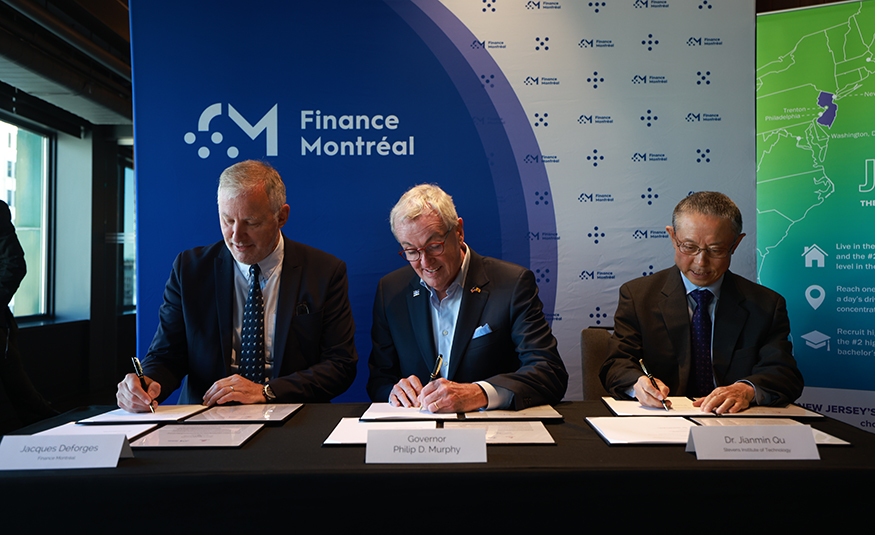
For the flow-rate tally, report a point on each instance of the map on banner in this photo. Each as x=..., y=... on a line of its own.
x=815, y=102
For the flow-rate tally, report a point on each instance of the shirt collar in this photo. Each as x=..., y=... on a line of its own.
x=269, y=264
x=714, y=288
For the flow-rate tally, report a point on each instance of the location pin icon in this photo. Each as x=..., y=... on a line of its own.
x=812, y=300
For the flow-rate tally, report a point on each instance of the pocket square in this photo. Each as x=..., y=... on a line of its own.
x=483, y=330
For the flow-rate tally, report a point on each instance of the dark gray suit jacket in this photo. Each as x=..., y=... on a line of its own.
x=519, y=354
x=314, y=354
x=751, y=331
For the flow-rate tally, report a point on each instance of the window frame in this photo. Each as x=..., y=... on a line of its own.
x=48, y=219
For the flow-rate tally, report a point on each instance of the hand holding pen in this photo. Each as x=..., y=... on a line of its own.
x=139, y=369
x=406, y=392
x=435, y=374
x=653, y=382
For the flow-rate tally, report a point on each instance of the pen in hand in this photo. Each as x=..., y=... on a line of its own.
x=437, y=369
x=652, y=381
x=139, y=370
x=436, y=373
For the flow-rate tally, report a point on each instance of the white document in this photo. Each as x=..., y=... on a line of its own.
x=163, y=413
x=131, y=431
x=257, y=412
x=198, y=436
x=683, y=406
x=642, y=430
x=385, y=411
x=354, y=431
x=508, y=432
x=541, y=412
x=820, y=438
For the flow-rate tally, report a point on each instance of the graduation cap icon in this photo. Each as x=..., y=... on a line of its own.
x=816, y=339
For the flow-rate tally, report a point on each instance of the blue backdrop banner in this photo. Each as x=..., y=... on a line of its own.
x=566, y=132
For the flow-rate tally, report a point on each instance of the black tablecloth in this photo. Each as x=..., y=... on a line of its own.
x=283, y=478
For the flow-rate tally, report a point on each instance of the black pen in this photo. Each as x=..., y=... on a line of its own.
x=139, y=370
x=437, y=369
x=652, y=381
x=434, y=375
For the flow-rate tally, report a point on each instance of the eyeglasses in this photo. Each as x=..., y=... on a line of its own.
x=435, y=248
x=692, y=249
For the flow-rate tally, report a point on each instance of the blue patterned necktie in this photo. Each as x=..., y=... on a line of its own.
x=702, y=373
x=251, y=365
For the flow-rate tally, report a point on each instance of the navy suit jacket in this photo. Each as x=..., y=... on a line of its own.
x=519, y=354
x=314, y=354
x=750, y=342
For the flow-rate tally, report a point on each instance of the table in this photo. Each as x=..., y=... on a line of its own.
x=284, y=478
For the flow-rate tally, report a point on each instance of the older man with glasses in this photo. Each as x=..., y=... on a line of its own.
x=455, y=331
x=699, y=329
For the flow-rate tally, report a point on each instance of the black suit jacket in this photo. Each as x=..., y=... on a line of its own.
x=12, y=267
x=519, y=354
x=314, y=354
x=751, y=331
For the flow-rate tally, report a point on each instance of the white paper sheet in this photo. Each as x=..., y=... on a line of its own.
x=642, y=430
x=385, y=411
x=163, y=413
x=541, y=412
x=274, y=412
x=504, y=432
x=131, y=431
x=198, y=436
x=354, y=431
x=683, y=406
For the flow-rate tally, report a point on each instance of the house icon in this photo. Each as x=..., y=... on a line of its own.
x=814, y=255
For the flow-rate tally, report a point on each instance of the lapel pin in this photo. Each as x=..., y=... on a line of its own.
x=415, y=293
x=475, y=289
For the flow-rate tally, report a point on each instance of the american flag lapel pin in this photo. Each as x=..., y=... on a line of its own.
x=415, y=293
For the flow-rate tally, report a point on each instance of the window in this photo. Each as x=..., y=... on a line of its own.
x=127, y=224
x=25, y=188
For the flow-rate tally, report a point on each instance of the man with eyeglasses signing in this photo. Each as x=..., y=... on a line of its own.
x=455, y=331
x=701, y=330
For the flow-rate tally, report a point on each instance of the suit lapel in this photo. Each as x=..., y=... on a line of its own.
x=475, y=294
x=729, y=320
x=420, y=317
x=223, y=273
x=675, y=313
x=290, y=284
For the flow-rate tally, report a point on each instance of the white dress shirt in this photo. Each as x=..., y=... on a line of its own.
x=271, y=270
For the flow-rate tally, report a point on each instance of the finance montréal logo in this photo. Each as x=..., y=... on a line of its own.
x=268, y=124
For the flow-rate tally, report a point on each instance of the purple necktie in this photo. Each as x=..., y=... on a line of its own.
x=702, y=373
x=251, y=365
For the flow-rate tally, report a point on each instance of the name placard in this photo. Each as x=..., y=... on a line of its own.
x=44, y=452
x=399, y=446
x=753, y=442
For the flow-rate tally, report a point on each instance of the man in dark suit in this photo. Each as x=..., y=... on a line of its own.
x=474, y=323
x=292, y=298
x=702, y=330
x=29, y=405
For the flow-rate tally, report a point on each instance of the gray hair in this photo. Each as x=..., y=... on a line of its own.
x=425, y=199
x=711, y=203
x=249, y=174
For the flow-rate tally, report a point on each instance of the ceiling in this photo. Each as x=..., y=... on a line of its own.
x=75, y=54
